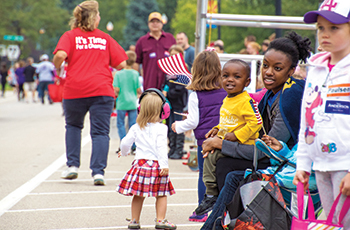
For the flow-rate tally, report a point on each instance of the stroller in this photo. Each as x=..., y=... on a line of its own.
x=284, y=180
x=257, y=210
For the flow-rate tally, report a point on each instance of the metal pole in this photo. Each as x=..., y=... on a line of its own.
x=198, y=27
x=204, y=9
x=257, y=18
x=219, y=11
x=272, y=25
x=278, y=12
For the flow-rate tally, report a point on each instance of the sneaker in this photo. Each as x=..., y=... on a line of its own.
x=70, y=173
x=134, y=225
x=118, y=150
x=196, y=218
x=99, y=180
x=206, y=205
x=133, y=149
x=164, y=224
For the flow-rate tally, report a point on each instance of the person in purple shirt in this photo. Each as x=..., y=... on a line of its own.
x=151, y=47
x=20, y=79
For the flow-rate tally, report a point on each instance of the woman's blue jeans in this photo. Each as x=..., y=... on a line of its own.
x=100, y=109
x=226, y=194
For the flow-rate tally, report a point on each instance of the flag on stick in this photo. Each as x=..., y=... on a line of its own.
x=175, y=65
x=257, y=114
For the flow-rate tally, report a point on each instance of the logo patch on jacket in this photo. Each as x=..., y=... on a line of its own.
x=340, y=107
x=339, y=90
x=329, y=148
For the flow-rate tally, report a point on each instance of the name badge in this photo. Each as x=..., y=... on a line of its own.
x=340, y=107
x=152, y=55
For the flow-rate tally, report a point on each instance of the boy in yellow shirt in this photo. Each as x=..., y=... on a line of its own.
x=239, y=121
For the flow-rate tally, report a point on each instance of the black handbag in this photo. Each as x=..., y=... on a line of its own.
x=264, y=207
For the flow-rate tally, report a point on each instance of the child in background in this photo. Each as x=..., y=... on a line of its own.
x=239, y=122
x=20, y=79
x=177, y=95
x=127, y=89
x=203, y=109
x=323, y=144
x=148, y=175
x=3, y=77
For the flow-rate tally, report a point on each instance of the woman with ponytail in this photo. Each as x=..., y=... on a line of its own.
x=89, y=53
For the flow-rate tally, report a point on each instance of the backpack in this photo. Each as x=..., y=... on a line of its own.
x=263, y=210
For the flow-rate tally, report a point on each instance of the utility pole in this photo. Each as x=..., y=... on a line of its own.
x=278, y=7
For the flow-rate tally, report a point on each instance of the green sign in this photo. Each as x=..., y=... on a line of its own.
x=17, y=38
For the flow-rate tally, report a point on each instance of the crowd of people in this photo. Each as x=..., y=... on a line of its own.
x=301, y=111
x=27, y=77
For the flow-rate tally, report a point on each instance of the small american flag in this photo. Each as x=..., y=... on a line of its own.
x=256, y=111
x=175, y=65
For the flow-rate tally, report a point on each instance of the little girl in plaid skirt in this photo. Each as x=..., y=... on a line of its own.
x=148, y=175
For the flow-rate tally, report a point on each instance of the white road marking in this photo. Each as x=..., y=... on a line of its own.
x=90, y=192
x=93, y=207
x=10, y=200
x=112, y=179
x=125, y=227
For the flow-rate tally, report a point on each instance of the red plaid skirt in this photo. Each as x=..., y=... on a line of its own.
x=143, y=179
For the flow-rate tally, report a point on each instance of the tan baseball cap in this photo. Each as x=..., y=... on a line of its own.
x=155, y=15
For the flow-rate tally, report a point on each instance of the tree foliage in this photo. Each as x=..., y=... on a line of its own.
x=233, y=37
x=185, y=18
x=129, y=17
x=113, y=11
x=137, y=18
x=168, y=8
x=27, y=17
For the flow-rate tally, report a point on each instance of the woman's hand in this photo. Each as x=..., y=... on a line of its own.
x=212, y=133
x=303, y=177
x=210, y=144
x=272, y=142
x=344, y=187
x=164, y=172
x=230, y=137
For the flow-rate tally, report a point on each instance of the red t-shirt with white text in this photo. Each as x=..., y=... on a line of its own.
x=90, y=54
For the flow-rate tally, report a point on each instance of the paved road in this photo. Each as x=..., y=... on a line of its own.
x=32, y=195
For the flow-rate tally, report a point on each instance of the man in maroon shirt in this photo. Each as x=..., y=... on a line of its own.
x=151, y=47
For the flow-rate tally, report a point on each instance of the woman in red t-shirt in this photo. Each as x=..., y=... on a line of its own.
x=88, y=52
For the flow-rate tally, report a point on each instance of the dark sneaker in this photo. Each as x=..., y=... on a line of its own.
x=194, y=217
x=206, y=205
x=133, y=149
x=176, y=156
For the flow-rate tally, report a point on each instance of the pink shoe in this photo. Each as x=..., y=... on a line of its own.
x=194, y=217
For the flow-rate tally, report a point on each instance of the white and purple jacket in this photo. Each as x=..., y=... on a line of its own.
x=325, y=116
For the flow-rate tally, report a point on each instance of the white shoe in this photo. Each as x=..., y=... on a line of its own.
x=99, y=179
x=70, y=173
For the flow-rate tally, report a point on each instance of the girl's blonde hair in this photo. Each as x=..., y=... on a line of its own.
x=255, y=46
x=206, y=72
x=84, y=16
x=150, y=108
x=177, y=48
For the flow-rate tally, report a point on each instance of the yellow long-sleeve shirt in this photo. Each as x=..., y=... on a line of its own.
x=238, y=115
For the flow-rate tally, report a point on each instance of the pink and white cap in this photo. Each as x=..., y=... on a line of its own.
x=335, y=11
